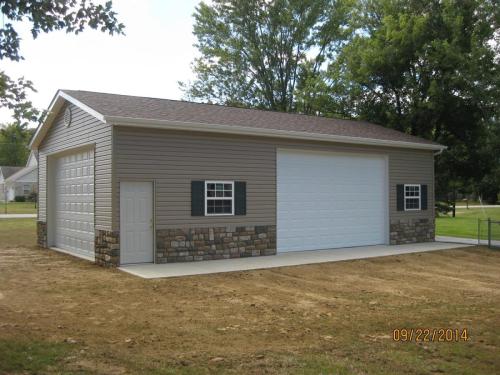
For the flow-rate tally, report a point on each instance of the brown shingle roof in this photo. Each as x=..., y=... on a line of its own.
x=9, y=171
x=113, y=105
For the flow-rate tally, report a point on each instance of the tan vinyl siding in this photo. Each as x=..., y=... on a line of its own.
x=411, y=167
x=174, y=159
x=84, y=130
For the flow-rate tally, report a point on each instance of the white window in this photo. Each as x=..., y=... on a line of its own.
x=412, y=197
x=219, y=198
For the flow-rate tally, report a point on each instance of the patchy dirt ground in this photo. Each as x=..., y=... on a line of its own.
x=59, y=314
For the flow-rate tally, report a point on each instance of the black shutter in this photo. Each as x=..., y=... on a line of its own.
x=400, y=188
x=197, y=198
x=423, y=197
x=240, y=198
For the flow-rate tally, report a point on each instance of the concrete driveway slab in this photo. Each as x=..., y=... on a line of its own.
x=297, y=258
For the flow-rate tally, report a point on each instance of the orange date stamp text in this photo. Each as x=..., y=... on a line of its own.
x=430, y=335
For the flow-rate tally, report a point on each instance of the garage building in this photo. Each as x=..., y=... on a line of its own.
x=126, y=179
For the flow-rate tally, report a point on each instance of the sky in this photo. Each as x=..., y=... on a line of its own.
x=149, y=60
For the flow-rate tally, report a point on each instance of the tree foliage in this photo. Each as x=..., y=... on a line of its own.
x=45, y=16
x=13, y=141
x=14, y=96
x=257, y=52
x=428, y=68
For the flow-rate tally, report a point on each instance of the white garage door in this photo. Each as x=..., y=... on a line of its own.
x=330, y=200
x=74, y=203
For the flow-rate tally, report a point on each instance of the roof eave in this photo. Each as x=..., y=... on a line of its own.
x=21, y=173
x=55, y=105
x=252, y=131
x=60, y=97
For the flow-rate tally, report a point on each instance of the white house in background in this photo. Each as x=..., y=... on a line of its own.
x=16, y=181
x=6, y=172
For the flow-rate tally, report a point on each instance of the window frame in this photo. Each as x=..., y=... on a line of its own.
x=419, y=197
x=207, y=198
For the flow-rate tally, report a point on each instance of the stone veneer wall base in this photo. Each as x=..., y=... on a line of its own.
x=107, y=245
x=195, y=244
x=41, y=231
x=412, y=231
x=107, y=248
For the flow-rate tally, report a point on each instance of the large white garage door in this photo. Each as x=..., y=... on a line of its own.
x=330, y=200
x=74, y=203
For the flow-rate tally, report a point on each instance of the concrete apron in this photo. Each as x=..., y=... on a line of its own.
x=296, y=258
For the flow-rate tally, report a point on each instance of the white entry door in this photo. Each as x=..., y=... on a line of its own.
x=72, y=189
x=136, y=222
x=327, y=200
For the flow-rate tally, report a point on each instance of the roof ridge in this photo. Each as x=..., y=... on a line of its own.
x=229, y=106
x=9, y=170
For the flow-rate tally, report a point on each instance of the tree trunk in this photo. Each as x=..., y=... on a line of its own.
x=454, y=201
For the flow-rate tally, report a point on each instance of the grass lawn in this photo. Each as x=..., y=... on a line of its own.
x=465, y=222
x=59, y=315
x=18, y=208
x=20, y=232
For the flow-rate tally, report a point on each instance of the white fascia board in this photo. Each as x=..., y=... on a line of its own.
x=54, y=107
x=252, y=131
x=82, y=106
x=30, y=158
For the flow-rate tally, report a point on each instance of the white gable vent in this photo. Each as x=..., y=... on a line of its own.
x=67, y=116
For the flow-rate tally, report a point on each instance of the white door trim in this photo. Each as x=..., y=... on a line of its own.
x=331, y=152
x=152, y=183
x=83, y=147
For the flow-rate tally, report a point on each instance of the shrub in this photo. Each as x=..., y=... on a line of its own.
x=32, y=197
x=20, y=198
x=442, y=208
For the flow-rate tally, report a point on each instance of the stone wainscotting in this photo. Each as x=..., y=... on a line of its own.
x=41, y=231
x=195, y=244
x=411, y=231
x=107, y=248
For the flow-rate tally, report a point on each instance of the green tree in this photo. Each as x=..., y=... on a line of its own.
x=13, y=141
x=45, y=16
x=489, y=186
x=427, y=68
x=256, y=52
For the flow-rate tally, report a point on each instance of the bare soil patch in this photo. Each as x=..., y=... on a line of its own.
x=325, y=318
